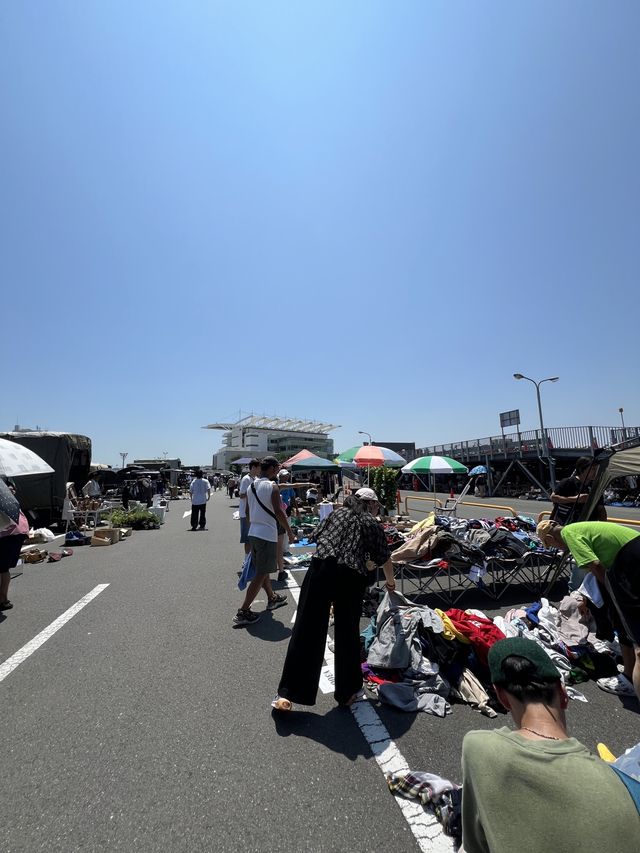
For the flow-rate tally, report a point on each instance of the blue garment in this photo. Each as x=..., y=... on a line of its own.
x=248, y=572
x=532, y=612
x=632, y=785
x=287, y=495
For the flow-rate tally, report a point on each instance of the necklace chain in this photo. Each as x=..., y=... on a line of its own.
x=533, y=732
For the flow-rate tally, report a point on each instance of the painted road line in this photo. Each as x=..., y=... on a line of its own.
x=27, y=650
x=425, y=827
x=185, y=514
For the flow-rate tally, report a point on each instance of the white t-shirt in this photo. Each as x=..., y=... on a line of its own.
x=263, y=526
x=199, y=490
x=245, y=482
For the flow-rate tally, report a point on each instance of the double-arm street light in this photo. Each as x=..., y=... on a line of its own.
x=545, y=443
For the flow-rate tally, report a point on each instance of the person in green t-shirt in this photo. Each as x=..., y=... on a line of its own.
x=536, y=787
x=612, y=553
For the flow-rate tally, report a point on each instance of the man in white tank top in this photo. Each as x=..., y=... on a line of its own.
x=265, y=515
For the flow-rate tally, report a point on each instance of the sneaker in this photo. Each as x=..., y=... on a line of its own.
x=277, y=601
x=282, y=576
x=618, y=684
x=281, y=704
x=245, y=617
x=6, y=605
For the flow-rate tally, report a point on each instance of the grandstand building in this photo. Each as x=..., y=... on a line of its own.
x=257, y=435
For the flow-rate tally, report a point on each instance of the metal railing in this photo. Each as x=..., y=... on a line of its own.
x=586, y=439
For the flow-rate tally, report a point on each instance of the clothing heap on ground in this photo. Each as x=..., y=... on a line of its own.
x=420, y=659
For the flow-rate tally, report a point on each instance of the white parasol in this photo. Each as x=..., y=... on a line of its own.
x=17, y=461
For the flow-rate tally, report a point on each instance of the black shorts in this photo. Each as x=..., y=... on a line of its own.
x=10, y=551
x=622, y=580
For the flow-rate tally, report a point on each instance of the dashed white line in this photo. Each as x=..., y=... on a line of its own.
x=29, y=648
x=425, y=827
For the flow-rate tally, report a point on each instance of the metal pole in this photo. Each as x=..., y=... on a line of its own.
x=545, y=445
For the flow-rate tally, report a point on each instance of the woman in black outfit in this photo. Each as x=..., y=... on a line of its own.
x=338, y=575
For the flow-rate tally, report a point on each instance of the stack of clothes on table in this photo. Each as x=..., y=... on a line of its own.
x=463, y=544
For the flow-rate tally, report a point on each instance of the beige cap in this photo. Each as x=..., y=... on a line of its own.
x=545, y=531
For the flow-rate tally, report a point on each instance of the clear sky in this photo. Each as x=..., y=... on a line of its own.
x=369, y=213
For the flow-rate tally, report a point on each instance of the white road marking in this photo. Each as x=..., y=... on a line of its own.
x=425, y=826
x=185, y=514
x=29, y=648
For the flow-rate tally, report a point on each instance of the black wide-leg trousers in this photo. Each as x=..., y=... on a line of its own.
x=326, y=582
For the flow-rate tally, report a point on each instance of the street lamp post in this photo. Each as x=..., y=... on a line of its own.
x=363, y=432
x=545, y=444
x=124, y=456
x=624, y=429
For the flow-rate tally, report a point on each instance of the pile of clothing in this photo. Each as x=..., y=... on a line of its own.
x=462, y=544
x=569, y=634
x=417, y=659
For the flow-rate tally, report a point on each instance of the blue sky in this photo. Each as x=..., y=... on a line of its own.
x=362, y=212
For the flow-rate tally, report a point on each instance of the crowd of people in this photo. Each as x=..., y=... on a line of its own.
x=538, y=773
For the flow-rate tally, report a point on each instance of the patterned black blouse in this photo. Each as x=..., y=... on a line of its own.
x=352, y=539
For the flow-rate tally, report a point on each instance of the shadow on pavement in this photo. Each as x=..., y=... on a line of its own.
x=269, y=629
x=337, y=730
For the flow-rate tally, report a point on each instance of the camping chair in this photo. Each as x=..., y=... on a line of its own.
x=449, y=585
x=529, y=571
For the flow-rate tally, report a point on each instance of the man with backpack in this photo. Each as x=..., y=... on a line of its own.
x=264, y=514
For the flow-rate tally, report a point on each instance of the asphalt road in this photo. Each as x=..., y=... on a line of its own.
x=144, y=723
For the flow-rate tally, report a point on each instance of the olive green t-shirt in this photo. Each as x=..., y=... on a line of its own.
x=542, y=796
x=589, y=541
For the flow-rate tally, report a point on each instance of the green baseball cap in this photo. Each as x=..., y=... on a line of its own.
x=523, y=648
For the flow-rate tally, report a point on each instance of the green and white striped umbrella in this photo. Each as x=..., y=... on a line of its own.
x=435, y=465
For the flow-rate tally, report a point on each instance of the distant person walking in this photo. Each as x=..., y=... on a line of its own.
x=200, y=490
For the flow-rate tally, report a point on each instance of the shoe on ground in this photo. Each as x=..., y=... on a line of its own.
x=245, y=617
x=277, y=601
x=6, y=605
x=281, y=704
x=618, y=684
x=283, y=575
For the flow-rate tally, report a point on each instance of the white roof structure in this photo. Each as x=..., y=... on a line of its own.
x=276, y=423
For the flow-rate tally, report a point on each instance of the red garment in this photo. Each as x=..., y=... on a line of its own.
x=481, y=633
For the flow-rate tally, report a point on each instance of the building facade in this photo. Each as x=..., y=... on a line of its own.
x=260, y=436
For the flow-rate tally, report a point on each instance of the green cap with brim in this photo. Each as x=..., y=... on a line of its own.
x=523, y=648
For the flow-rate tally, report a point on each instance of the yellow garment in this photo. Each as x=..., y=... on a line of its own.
x=605, y=753
x=450, y=631
x=426, y=522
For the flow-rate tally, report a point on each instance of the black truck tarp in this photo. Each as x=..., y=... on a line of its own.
x=41, y=496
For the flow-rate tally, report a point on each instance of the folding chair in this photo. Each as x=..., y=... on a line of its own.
x=449, y=585
x=528, y=571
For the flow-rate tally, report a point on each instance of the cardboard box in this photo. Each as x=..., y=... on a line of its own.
x=112, y=534
x=99, y=541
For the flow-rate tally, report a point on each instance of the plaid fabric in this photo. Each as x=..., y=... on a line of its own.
x=352, y=539
x=418, y=785
x=442, y=795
